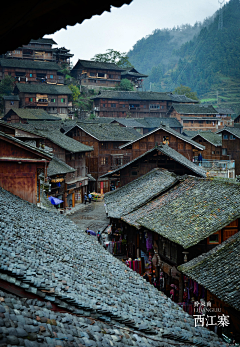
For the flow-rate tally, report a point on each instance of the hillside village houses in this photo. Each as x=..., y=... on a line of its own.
x=158, y=152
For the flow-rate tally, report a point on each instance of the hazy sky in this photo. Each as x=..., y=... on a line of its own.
x=121, y=28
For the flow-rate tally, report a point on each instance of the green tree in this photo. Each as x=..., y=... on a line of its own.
x=6, y=88
x=125, y=84
x=155, y=74
x=116, y=57
x=184, y=90
x=75, y=92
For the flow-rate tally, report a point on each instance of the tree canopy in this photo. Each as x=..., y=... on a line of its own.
x=184, y=90
x=125, y=84
x=116, y=57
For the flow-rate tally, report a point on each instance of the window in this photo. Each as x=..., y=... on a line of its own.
x=123, y=105
x=225, y=137
x=101, y=74
x=133, y=106
x=113, y=105
x=63, y=100
x=103, y=105
x=232, y=137
x=53, y=100
x=213, y=152
x=104, y=161
x=11, y=102
x=51, y=76
x=214, y=238
x=110, y=76
x=224, y=151
x=162, y=107
x=165, y=140
x=30, y=75
x=154, y=106
x=30, y=99
x=134, y=173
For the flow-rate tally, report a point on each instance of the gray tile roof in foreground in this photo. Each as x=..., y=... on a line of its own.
x=191, y=211
x=170, y=131
x=29, y=64
x=46, y=254
x=136, y=193
x=218, y=271
x=58, y=167
x=171, y=153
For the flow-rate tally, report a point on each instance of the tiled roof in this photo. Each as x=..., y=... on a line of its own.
x=157, y=122
x=22, y=143
x=43, y=41
x=211, y=137
x=224, y=111
x=29, y=64
x=194, y=109
x=170, y=152
x=170, y=131
x=56, y=136
x=132, y=72
x=109, y=132
x=193, y=210
x=46, y=254
x=134, y=194
x=42, y=88
x=91, y=64
x=232, y=130
x=130, y=122
x=57, y=167
x=11, y=97
x=218, y=271
x=182, y=98
x=33, y=114
x=190, y=133
x=139, y=96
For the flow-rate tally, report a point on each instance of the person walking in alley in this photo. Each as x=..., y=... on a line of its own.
x=89, y=197
x=85, y=198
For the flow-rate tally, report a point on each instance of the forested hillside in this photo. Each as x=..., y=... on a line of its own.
x=201, y=57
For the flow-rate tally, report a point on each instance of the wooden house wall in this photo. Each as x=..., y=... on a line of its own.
x=233, y=150
x=105, y=108
x=19, y=179
x=148, y=142
x=100, y=160
x=198, y=124
x=8, y=104
x=146, y=164
x=33, y=79
x=78, y=162
x=210, y=152
x=57, y=150
x=12, y=117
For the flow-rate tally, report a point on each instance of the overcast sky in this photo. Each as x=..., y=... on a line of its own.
x=121, y=28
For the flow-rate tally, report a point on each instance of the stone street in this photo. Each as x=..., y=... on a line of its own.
x=90, y=215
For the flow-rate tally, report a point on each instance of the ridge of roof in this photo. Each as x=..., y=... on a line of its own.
x=234, y=131
x=171, y=131
x=97, y=64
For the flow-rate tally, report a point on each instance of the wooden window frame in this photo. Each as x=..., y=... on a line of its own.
x=219, y=239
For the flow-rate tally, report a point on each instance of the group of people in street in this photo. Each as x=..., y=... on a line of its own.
x=87, y=197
